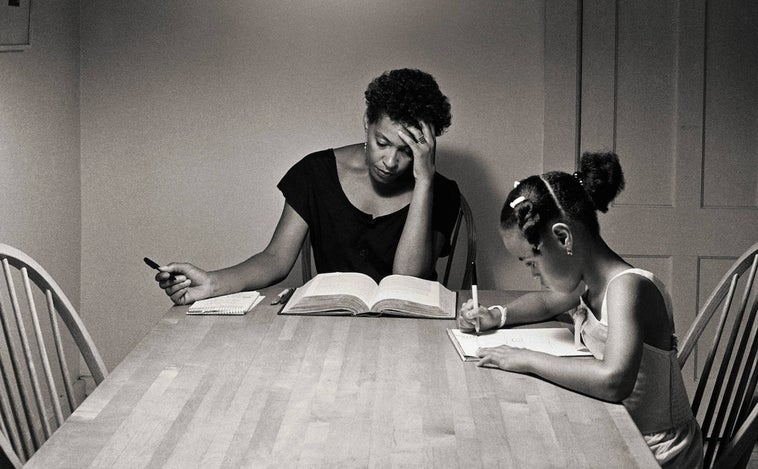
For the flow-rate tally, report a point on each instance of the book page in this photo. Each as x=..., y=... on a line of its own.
x=413, y=289
x=341, y=283
x=558, y=341
x=412, y=296
x=328, y=291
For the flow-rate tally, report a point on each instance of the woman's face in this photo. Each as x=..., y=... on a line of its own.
x=387, y=156
x=548, y=263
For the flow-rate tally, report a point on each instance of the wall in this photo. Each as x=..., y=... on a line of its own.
x=192, y=111
x=39, y=144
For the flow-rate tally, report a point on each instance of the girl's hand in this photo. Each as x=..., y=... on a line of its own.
x=488, y=319
x=184, y=283
x=423, y=144
x=505, y=357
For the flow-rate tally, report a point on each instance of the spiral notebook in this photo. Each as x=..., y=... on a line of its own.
x=233, y=304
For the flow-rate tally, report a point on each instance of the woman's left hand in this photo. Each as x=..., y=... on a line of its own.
x=504, y=357
x=423, y=145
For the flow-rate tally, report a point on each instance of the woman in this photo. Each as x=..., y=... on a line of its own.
x=377, y=207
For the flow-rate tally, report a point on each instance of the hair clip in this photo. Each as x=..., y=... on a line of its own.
x=578, y=177
x=516, y=183
x=517, y=201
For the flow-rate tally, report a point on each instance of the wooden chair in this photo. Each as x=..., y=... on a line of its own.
x=464, y=216
x=725, y=398
x=34, y=403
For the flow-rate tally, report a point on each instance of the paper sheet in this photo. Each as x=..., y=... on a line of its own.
x=554, y=341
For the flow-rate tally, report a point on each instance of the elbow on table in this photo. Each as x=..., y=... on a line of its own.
x=616, y=387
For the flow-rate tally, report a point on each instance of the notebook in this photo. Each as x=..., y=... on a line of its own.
x=554, y=341
x=233, y=304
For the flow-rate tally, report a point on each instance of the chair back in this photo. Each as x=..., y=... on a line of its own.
x=464, y=217
x=725, y=399
x=38, y=393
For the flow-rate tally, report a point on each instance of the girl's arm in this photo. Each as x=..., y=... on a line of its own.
x=531, y=307
x=611, y=378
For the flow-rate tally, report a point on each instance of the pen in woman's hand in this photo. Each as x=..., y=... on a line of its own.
x=475, y=296
x=151, y=263
x=154, y=265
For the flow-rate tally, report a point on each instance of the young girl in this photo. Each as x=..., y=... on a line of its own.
x=623, y=314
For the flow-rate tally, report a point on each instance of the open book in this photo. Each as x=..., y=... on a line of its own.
x=233, y=304
x=558, y=341
x=356, y=293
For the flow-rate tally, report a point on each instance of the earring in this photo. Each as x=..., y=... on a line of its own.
x=569, y=252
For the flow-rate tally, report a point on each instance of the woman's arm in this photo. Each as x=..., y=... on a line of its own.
x=611, y=378
x=418, y=247
x=270, y=265
x=185, y=283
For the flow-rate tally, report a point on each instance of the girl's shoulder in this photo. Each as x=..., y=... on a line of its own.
x=640, y=290
x=637, y=279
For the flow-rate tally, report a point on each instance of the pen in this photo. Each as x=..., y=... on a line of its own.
x=154, y=265
x=151, y=263
x=475, y=294
x=283, y=296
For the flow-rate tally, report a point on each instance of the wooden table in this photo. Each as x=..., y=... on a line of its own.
x=269, y=390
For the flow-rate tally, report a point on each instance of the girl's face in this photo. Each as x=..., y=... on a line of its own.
x=387, y=156
x=548, y=263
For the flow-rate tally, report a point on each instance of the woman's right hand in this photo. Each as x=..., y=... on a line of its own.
x=184, y=283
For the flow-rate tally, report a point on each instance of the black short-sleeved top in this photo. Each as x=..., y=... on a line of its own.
x=344, y=238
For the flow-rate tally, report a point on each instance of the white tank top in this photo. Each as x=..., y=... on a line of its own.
x=659, y=400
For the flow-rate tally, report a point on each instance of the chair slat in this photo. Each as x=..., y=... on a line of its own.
x=737, y=410
x=712, y=353
x=737, y=451
x=60, y=352
x=28, y=432
x=44, y=359
x=10, y=425
x=750, y=392
x=7, y=449
x=31, y=366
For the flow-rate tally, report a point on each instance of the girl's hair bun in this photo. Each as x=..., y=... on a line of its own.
x=601, y=177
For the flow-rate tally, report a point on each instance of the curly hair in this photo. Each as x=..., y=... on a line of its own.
x=408, y=96
x=559, y=196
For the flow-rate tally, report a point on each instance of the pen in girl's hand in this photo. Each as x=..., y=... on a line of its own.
x=475, y=296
